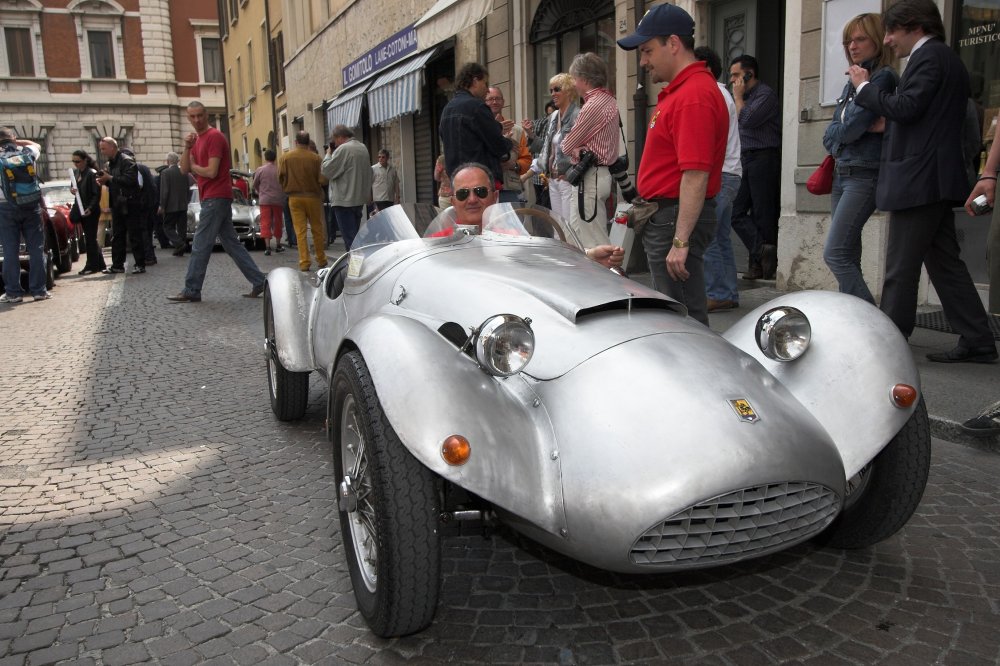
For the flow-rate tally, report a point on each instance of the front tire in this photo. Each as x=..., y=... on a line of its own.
x=288, y=391
x=389, y=507
x=884, y=495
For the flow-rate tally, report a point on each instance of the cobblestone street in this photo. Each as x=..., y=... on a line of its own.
x=152, y=509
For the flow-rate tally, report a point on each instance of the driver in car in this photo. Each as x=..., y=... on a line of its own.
x=472, y=193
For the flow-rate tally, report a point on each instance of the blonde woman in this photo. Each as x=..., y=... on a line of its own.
x=552, y=161
x=854, y=139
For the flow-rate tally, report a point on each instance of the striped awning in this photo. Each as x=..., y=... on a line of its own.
x=345, y=108
x=398, y=91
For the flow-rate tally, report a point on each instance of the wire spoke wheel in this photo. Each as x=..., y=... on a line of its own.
x=389, y=505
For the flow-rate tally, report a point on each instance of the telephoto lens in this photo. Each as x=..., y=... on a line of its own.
x=619, y=171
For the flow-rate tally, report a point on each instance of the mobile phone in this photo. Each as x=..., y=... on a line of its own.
x=746, y=77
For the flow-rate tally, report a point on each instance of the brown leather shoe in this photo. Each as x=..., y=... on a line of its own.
x=184, y=298
x=715, y=306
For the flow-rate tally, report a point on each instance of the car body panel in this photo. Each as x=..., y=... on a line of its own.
x=628, y=414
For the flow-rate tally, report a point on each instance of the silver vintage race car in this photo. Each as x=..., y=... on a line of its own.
x=501, y=375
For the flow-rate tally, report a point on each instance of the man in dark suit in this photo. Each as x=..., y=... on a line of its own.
x=922, y=176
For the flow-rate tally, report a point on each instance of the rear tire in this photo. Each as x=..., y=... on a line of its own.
x=888, y=490
x=388, y=512
x=288, y=391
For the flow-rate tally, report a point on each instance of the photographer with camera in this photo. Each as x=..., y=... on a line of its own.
x=592, y=146
x=681, y=167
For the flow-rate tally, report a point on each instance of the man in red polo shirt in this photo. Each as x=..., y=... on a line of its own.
x=206, y=155
x=681, y=167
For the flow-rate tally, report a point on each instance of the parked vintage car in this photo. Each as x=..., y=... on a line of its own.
x=63, y=237
x=503, y=375
x=246, y=217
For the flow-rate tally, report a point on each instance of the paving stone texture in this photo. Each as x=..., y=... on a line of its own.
x=152, y=509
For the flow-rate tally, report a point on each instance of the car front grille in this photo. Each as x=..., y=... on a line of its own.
x=738, y=525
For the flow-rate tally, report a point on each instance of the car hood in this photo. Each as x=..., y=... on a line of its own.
x=577, y=308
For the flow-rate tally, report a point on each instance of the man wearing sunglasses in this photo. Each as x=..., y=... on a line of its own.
x=473, y=193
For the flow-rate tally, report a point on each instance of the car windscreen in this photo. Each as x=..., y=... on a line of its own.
x=394, y=224
x=58, y=195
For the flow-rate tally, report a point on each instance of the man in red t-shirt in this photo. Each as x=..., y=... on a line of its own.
x=206, y=155
x=681, y=167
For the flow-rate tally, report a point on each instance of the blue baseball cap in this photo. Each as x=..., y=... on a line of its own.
x=659, y=21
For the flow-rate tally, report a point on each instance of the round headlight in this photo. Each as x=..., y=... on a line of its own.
x=783, y=333
x=504, y=345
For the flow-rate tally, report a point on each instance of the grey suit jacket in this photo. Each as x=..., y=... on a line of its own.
x=922, y=158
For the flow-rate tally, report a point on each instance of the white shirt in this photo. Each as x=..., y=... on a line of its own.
x=732, y=164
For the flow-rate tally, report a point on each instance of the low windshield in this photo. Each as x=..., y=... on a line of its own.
x=501, y=221
x=59, y=194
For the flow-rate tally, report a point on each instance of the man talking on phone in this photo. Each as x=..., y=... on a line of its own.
x=756, y=208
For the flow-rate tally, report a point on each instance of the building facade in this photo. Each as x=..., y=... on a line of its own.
x=387, y=70
x=73, y=71
x=254, y=76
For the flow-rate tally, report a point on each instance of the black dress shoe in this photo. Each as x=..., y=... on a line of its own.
x=87, y=271
x=754, y=271
x=113, y=269
x=178, y=253
x=960, y=354
x=139, y=269
x=255, y=292
x=184, y=298
x=151, y=262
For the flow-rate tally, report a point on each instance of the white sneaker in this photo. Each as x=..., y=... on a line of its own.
x=10, y=299
x=42, y=297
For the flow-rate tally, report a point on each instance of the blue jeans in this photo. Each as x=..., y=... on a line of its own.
x=348, y=221
x=853, y=198
x=217, y=221
x=720, y=263
x=14, y=223
x=658, y=238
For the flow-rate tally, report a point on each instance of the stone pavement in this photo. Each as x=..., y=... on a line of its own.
x=151, y=509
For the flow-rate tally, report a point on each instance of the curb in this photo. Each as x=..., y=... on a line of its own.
x=952, y=431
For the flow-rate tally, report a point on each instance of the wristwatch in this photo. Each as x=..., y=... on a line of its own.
x=680, y=243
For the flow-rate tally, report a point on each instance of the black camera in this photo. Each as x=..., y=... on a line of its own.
x=619, y=171
x=575, y=173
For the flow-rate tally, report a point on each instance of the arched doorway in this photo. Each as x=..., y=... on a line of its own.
x=563, y=28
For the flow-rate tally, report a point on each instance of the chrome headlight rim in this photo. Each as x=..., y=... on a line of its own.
x=504, y=344
x=783, y=333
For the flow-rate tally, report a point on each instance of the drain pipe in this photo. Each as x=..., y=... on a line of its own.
x=639, y=98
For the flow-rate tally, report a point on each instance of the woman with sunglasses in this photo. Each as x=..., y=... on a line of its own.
x=90, y=195
x=552, y=161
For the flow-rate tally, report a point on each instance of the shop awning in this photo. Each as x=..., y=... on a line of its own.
x=345, y=108
x=398, y=91
x=449, y=17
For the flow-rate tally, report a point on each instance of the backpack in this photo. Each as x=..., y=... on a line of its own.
x=17, y=178
x=148, y=197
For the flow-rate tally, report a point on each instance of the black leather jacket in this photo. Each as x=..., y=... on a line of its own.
x=124, y=183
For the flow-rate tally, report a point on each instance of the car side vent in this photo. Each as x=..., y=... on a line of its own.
x=625, y=304
x=455, y=334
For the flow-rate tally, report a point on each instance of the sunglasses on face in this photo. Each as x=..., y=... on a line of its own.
x=555, y=90
x=77, y=161
x=480, y=191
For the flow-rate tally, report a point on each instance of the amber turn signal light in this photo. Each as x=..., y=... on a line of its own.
x=903, y=395
x=456, y=450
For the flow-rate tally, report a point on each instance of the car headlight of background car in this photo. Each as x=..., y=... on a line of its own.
x=504, y=344
x=783, y=333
